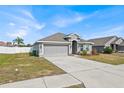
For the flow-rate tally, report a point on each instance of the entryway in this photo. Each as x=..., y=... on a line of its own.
x=74, y=47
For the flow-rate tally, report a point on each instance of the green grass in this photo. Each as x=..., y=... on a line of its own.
x=115, y=58
x=28, y=67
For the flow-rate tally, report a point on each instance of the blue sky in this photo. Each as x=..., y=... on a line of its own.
x=35, y=22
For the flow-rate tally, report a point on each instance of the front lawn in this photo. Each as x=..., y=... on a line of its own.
x=15, y=67
x=115, y=59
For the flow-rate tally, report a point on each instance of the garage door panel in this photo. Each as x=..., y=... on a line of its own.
x=55, y=50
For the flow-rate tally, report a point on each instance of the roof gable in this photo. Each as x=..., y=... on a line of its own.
x=70, y=35
x=119, y=40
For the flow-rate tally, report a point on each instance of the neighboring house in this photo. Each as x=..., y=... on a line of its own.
x=60, y=44
x=9, y=44
x=2, y=43
x=117, y=43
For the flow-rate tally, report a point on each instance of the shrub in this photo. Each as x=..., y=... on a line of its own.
x=33, y=53
x=83, y=52
x=108, y=50
x=80, y=53
x=30, y=54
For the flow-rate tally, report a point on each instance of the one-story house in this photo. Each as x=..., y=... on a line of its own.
x=60, y=44
x=117, y=43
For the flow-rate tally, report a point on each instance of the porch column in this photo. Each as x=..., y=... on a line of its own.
x=41, y=50
x=114, y=48
x=78, y=47
x=70, y=49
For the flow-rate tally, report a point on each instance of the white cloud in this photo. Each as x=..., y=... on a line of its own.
x=20, y=33
x=75, y=17
x=65, y=21
x=22, y=24
x=12, y=24
x=28, y=14
x=39, y=27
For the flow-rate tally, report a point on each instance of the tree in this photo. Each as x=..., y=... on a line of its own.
x=18, y=41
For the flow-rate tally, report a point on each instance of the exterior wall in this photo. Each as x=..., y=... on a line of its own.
x=14, y=50
x=40, y=47
x=36, y=48
x=78, y=47
x=98, y=48
x=70, y=49
x=120, y=48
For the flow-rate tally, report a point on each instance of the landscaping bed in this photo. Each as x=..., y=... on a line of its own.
x=15, y=67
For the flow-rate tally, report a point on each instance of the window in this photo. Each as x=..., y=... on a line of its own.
x=81, y=48
x=87, y=47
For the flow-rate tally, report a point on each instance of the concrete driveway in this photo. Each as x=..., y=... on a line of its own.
x=93, y=74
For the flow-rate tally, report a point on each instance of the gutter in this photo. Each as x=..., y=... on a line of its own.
x=86, y=43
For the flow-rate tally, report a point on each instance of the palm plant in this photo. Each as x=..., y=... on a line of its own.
x=19, y=41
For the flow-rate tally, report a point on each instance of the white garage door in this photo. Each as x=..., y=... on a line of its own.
x=55, y=50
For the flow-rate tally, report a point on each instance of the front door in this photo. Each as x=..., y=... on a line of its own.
x=74, y=47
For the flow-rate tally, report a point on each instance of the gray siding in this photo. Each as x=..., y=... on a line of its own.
x=98, y=48
x=120, y=48
x=36, y=48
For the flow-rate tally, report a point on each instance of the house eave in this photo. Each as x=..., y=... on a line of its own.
x=53, y=42
x=86, y=43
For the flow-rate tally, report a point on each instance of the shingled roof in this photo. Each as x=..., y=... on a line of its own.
x=101, y=41
x=58, y=37
x=82, y=40
x=55, y=37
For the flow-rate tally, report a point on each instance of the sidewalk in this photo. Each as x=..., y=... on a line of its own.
x=58, y=81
